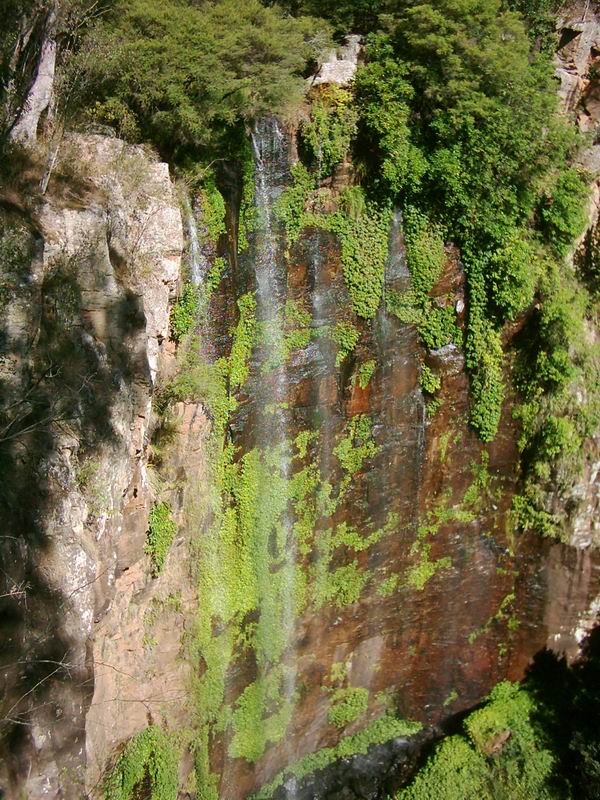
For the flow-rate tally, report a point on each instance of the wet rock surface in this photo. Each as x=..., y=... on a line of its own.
x=494, y=598
x=467, y=601
x=371, y=776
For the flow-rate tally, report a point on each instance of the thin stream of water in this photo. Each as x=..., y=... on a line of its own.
x=197, y=260
x=271, y=156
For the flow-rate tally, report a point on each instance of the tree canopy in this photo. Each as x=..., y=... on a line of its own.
x=182, y=74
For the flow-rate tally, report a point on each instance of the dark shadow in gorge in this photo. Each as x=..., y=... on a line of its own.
x=567, y=700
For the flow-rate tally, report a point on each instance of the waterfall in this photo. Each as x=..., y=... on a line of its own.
x=198, y=262
x=271, y=169
x=273, y=434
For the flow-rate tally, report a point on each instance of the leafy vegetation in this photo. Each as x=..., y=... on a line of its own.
x=162, y=529
x=460, y=128
x=252, y=731
x=531, y=740
x=380, y=730
x=346, y=336
x=332, y=126
x=184, y=313
x=453, y=118
x=500, y=754
x=347, y=705
x=182, y=75
x=346, y=15
x=213, y=208
x=149, y=759
x=364, y=373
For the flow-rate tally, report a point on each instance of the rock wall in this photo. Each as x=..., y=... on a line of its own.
x=488, y=598
x=95, y=648
x=85, y=328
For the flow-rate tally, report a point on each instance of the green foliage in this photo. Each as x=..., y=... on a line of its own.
x=558, y=376
x=563, y=210
x=377, y=732
x=199, y=381
x=213, y=208
x=557, y=436
x=184, y=312
x=347, y=705
x=343, y=586
x=214, y=276
x=430, y=382
x=291, y=206
x=182, y=74
x=485, y=358
x=425, y=252
x=161, y=532
x=332, y=126
x=364, y=373
x=297, y=327
x=353, y=202
x=356, y=447
x=364, y=252
x=405, y=305
x=339, y=672
x=388, y=586
x=345, y=15
x=502, y=615
x=462, y=128
x=438, y=327
x=512, y=271
x=540, y=19
x=252, y=731
x=383, y=97
x=243, y=341
x=426, y=256
x=148, y=757
x=455, y=772
x=500, y=754
x=247, y=215
x=346, y=336
x=422, y=572
x=362, y=229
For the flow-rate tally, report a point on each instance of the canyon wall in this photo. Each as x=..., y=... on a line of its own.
x=345, y=552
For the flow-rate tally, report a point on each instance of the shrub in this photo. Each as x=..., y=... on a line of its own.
x=364, y=373
x=563, y=210
x=332, y=126
x=291, y=205
x=213, y=208
x=438, y=327
x=344, y=585
x=184, y=313
x=512, y=271
x=347, y=705
x=425, y=252
x=148, y=757
x=430, y=382
x=364, y=254
x=557, y=437
x=500, y=754
x=161, y=532
x=180, y=73
x=346, y=336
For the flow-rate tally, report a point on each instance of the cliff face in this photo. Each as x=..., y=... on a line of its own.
x=444, y=597
x=85, y=322
x=344, y=555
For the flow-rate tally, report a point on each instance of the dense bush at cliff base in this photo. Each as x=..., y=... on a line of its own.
x=536, y=740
